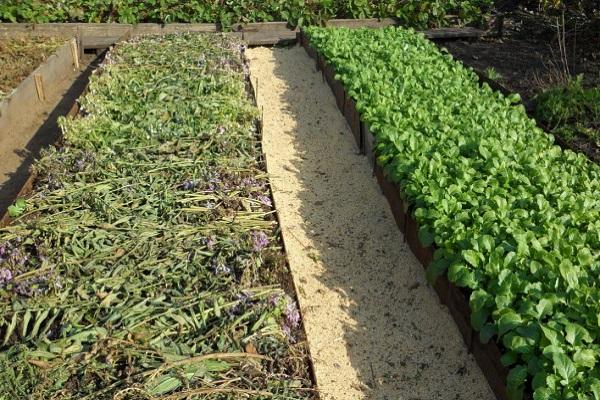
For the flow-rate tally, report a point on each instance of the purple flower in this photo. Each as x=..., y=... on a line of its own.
x=188, y=185
x=250, y=182
x=292, y=315
x=210, y=243
x=260, y=240
x=274, y=299
x=5, y=275
x=80, y=164
x=266, y=200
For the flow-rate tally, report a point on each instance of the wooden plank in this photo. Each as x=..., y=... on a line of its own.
x=39, y=86
x=28, y=97
x=180, y=28
x=75, y=53
x=55, y=29
x=265, y=38
x=104, y=30
x=361, y=23
x=24, y=192
x=99, y=42
x=14, y=29
x=265, y=27
x=454, y=33
x=147, y=29
x=101, y=35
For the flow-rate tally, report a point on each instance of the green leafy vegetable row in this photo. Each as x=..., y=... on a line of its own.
x=146, y=264
x=298, y=12
x=513, y=217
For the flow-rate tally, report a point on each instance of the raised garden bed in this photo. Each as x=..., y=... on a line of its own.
x=19, y=57
x=522, y=334
x=147, y=259
x=32, y=70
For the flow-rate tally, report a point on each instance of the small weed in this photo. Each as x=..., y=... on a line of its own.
x=492, y=74
x=571, y=110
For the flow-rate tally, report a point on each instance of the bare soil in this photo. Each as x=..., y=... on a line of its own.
x=21, y=56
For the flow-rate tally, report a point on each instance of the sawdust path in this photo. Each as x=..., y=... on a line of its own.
x=376, y=330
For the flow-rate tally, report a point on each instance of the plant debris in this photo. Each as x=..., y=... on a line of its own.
x=147, y=262
x=19, y=57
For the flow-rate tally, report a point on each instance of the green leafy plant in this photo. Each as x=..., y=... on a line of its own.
x=514, y=219
x=297, y=12
x=18, y=208
x=571, y=110
x=492, y=74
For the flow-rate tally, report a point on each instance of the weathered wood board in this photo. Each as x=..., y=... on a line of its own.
x=31, y=94
x=100, y=36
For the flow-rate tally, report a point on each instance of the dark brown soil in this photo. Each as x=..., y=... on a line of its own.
x=528, y=62
x=21, y=56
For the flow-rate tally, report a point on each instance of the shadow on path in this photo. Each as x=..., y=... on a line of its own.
x=375, y=328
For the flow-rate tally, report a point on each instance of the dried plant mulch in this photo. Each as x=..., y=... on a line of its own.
x=21, y=56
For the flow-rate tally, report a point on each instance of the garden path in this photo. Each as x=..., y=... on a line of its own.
x=375, y=329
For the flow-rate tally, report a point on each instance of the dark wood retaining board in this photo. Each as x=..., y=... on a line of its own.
x=456, y=299
x=103, y=35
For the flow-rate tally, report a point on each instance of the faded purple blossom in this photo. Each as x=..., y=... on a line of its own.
x=5, y=276
x=18, y=258
x=275, y=299
x=251, y=182
x=210, y=243
x=260, y=240
x=288, y=332
x=292, y=315
x=80, y=164
x=266, y=200
x=244, y=298
x=188, y=185
x=52, y=183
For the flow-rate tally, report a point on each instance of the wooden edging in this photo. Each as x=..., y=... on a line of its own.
x=30, y=96
x=253, y=92
x=103, y=35
x=456, y=299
